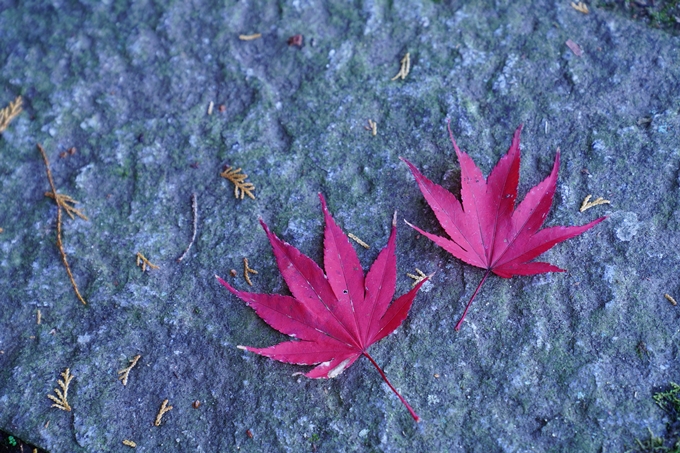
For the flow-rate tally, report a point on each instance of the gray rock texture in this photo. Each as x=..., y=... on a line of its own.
x=559, y=362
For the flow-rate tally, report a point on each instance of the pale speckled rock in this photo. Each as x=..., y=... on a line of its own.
x=545, y=363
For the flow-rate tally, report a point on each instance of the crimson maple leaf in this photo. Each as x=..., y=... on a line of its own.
x=334, y=318
x=486, y=231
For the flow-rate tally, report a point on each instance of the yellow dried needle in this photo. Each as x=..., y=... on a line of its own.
x=238, y=178
x=372, y=126
x=125, y=372
x=405, y=67
x=9, y=113
x=580, y=7
x=39, y=317
x=129, y=443
x=247, y=270
x=164, y=408
x=418, y=278
x=249, y=37
x=358, y=241
x=60, y=401
x=145, y=262
x=670, y=299
x=587, y=204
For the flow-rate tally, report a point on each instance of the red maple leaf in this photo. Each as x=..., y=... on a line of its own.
x=486, y=231
x=334, y=317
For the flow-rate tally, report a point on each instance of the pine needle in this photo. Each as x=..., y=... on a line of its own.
x=164, y=408
x=60, y=401
x=125, y=372
x=587, y=204
x=247, y=270
x=240, y=186
x=145, y=262
x=405, y=67
x=9, y=113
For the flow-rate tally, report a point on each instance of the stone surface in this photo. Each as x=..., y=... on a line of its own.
x=561, y=362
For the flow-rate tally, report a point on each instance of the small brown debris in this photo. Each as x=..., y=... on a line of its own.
x=60, y=401
x=145, y=262
x=125, y=372
x=10, y=112
x=72, y=150
x=295, y=40
x=372, y=126
x=164, y=408
x=233, y=273
x=63, y=154
x=670, y=299
x=129, y=443
x=418, y=278
x=247, y=270
x=587, y=204
x=405, y=67
x=222, y=108
x=436, y=375
x=250, y=37
x=249, y=433
x=580, y=7
x=358, y=241
x=575, y=48
x=196, y=404
x=238, y=178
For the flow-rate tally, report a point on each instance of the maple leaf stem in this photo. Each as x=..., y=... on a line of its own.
x=460, y=323
x=410, y=409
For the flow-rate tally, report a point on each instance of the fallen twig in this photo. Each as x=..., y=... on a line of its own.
x=62, y=203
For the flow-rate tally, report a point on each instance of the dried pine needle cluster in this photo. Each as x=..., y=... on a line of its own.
x=580, y=7
x=405, y=67
x=240, y=186
x=125, y=372
x=372, y=127
x=144, y=262
x=62, y=203
x=60, y=401
x=587, y=204
x=164, y=408
x=247, y=270
x=9, y=113
x=418, y=278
